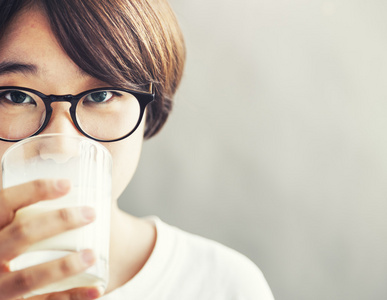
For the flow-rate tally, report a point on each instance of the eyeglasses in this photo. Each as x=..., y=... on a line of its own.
x=102, y=114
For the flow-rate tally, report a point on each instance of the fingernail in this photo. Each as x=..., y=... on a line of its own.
x=88, y=213
x=95, y=293
x=88, y=257
x=62, y=185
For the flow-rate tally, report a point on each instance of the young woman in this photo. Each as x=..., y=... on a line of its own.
x=66, y=47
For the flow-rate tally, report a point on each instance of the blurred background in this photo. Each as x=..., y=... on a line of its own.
x=277, y=145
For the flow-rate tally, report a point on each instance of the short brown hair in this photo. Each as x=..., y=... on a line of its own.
x=128, y=43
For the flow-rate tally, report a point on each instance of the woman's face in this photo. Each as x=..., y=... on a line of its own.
x=29, y=42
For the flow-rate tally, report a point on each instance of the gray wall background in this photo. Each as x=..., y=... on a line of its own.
x=277, y=145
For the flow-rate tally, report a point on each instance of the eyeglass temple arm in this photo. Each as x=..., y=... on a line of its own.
x=152, y=88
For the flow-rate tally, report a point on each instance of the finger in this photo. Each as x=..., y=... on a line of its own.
x=16, y=197
x=4, y=267
x=17, y=284
x=85, y=293
x=24, y=232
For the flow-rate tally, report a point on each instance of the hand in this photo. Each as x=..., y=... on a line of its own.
x=18, y=233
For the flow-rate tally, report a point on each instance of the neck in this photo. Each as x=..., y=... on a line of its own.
x=131, y=243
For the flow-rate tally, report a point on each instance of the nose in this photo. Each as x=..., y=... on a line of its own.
x=60, y=121
x=59, y=149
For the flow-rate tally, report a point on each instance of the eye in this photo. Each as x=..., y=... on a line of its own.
x=18, y=97
x=99, y=97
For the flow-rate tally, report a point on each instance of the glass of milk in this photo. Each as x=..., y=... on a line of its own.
x=87, y=164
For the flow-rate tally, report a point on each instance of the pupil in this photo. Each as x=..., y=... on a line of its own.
x=99, y=97
x=18, y=97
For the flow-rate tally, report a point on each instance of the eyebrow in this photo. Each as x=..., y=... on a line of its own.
x=7, y=67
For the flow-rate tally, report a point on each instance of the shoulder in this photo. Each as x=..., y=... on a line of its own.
x=217, y=267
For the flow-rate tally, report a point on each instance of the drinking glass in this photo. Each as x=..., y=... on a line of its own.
x=87, y=164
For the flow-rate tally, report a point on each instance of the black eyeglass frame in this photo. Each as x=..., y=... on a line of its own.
x=143, y=98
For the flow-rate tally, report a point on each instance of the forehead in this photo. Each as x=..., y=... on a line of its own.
x=29, y=41
x=27, y=29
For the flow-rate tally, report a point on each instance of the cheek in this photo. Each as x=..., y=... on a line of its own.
x=126, y=155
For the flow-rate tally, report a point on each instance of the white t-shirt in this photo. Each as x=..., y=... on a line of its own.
x=184, y=266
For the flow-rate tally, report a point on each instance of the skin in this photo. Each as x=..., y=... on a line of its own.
x=29, y=40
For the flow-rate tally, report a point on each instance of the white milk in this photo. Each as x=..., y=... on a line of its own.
x=80, y=280
x=68, y=242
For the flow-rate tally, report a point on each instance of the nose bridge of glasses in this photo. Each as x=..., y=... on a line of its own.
x=61, y=98
x=60, y=119
x=56, y=99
